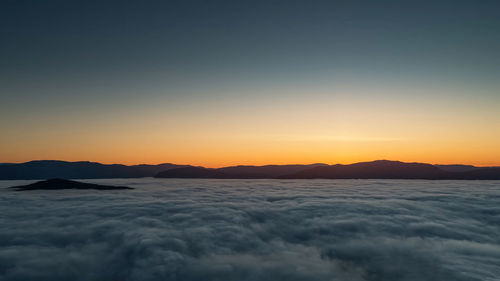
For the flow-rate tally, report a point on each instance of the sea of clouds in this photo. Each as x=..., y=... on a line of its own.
x=174, y=229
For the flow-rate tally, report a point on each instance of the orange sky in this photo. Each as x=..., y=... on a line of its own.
x=335, y=127
x=263, y=82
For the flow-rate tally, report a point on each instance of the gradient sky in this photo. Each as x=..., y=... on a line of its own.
x=219, y=83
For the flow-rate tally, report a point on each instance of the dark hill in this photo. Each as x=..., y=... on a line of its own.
x=457, y=168
x=492, y=173
x=191, y=172
x=46, y=169
x=262, y=172
x=381, y=169
x=236, y=172
x=58, y=184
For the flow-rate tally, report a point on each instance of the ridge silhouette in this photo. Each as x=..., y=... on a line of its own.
x=379, y=169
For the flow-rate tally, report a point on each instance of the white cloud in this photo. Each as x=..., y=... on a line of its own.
x=169, y=229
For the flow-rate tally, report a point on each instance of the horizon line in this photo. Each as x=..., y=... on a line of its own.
x=254, y=165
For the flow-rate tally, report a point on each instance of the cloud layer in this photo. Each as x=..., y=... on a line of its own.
x=172, y=229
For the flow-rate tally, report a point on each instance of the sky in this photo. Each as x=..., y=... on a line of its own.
x=219, y=83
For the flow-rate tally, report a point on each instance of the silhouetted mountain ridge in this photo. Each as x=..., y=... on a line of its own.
x=457, y=168
x=236, y=172
x=192, y=172
x=267, y=171
x=380, y=169
x=490, y=173
x=46, y=169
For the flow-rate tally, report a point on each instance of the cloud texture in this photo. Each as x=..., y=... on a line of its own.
x=173, y=229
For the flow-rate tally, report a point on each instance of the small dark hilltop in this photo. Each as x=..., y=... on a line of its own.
x=58, y=184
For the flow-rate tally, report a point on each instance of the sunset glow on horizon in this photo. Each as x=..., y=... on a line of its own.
x=328, y=129
x=210, y=85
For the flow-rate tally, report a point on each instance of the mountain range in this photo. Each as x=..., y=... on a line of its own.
x=380, y=169
x=46, y=169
